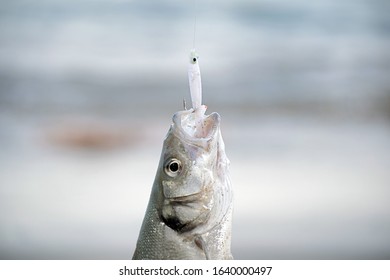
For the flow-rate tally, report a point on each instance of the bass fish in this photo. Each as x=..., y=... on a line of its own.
x=189, y=214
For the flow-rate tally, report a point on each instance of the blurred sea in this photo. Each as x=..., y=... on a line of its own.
x=88, y=89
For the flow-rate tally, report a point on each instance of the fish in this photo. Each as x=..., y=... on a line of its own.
x=189, y=214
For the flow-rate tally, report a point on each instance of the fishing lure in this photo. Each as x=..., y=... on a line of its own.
x=195, y=80
x=195, y=83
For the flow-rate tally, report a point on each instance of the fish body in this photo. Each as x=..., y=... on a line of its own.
x=190, y=207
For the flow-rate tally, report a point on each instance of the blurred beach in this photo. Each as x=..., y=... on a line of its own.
x=88, y=90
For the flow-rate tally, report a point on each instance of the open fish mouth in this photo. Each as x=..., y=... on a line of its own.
x=194, y=127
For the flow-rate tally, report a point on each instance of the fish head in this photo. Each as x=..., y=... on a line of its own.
x=188, y=170
x=194, y=57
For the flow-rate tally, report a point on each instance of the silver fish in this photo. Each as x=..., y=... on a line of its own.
x=190, y=207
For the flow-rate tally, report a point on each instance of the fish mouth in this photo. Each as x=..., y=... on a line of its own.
x=196, y=127
x=184, y=199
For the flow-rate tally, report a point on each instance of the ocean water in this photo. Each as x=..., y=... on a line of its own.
x=88, y=89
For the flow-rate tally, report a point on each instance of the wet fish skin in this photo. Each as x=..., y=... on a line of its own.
x=189, y=211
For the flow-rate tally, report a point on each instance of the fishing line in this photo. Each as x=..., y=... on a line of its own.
x=195, y=12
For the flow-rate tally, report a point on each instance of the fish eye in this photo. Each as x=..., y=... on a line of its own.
x=173, y=167
x=194, y=59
